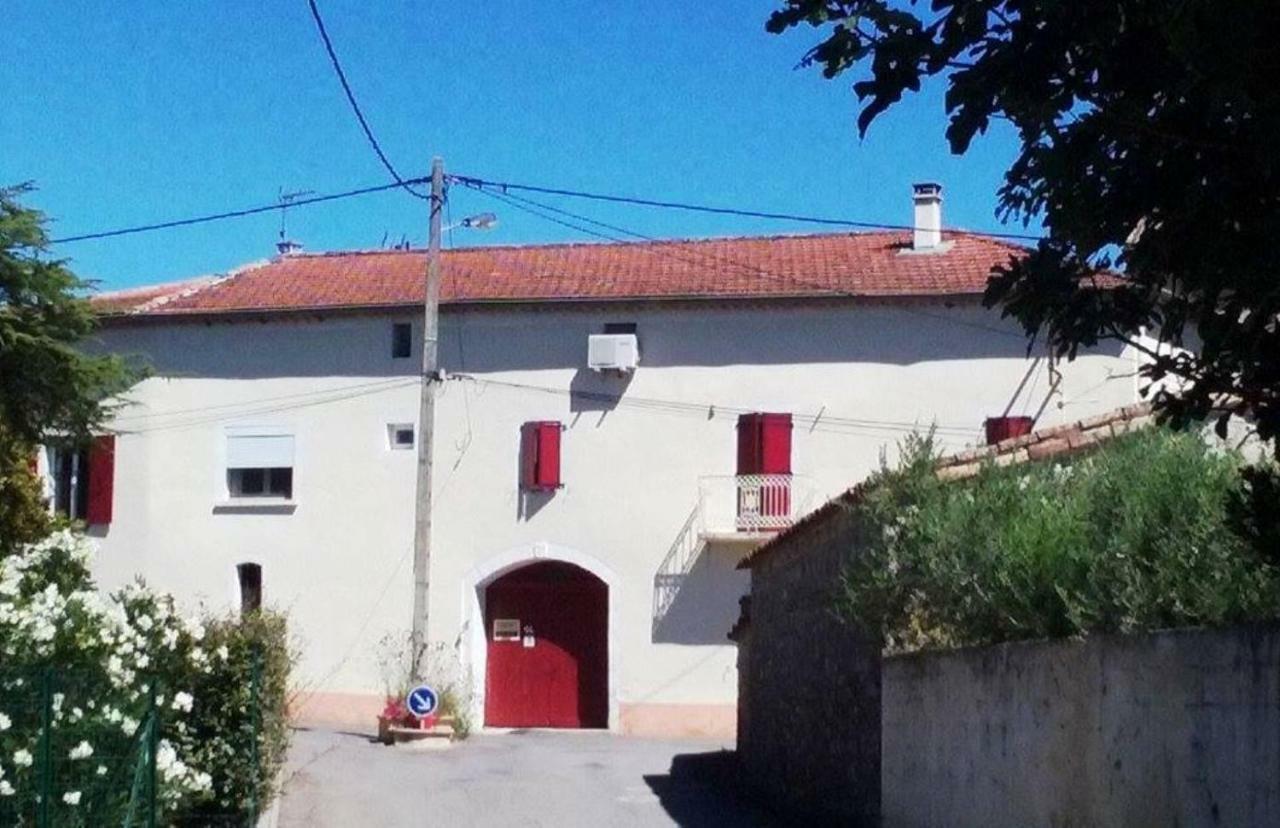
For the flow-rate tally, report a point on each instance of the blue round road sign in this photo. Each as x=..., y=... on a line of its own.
x=422, y=701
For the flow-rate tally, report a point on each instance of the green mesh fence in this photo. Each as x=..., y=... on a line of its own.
x=66, y=760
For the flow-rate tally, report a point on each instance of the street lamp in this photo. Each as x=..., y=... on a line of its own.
x=480, y=221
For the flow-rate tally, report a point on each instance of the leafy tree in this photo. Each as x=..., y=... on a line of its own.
x=1148, y=134
x=48, y=385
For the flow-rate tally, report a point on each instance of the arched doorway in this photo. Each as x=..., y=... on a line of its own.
x=547, y=664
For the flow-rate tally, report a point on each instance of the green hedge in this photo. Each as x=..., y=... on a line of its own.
x=1141, y=534
x=239, y=726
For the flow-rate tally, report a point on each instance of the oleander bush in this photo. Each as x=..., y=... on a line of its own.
x=96, y=669
x=1143, y=533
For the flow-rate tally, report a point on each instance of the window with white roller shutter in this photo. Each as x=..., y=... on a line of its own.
x=259, y=462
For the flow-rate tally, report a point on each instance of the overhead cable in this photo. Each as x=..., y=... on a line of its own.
x=355, y=106
x=249, y=211
x=505, y=186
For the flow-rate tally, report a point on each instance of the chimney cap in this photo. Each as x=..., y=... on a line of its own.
x=287, y=247
x=926, y=188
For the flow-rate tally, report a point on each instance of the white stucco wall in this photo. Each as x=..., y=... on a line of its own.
x=340, y=562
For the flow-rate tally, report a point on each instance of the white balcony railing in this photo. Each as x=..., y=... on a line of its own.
x=730, y=508
x=752, y=502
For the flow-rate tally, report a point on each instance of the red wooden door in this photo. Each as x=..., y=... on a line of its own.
x=548, y=648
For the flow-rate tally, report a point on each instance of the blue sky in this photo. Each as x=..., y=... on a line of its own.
x=129, y=113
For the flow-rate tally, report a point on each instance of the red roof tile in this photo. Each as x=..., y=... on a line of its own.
x=858, y=264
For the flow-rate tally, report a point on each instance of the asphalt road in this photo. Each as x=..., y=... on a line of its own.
x=540, y=778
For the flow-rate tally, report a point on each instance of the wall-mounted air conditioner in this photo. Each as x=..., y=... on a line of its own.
x=612, y=352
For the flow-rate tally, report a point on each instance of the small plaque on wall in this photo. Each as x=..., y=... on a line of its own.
x=506, y=629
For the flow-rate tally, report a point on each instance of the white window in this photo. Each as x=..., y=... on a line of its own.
x=399, y=436
x=259, y=462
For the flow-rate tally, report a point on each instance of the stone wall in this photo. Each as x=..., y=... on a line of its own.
x=1169, y=728
x=1180, y=727
x=809, y=688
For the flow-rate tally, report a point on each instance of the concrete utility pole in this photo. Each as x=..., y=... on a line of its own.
x=426, y=422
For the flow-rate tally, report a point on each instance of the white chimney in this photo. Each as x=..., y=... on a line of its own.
x=927, y=198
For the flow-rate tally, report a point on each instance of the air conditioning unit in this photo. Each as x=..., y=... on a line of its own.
x=612, y=352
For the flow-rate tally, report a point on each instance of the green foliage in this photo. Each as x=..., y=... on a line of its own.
x=23, y=517
x=1135, y=536
x=48, y=384
x=239, y=726
x=1148, y=131
x=101, y=670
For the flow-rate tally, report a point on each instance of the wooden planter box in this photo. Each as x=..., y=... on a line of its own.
x=391, y=731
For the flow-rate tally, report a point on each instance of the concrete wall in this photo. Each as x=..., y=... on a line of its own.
x=1171, y=728
x=339, y=557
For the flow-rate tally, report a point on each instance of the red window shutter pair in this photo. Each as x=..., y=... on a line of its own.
x=101, y=479
x=764, y=444
x=540, y=456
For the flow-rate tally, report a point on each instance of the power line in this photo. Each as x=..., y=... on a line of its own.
x=150, y=415
x=250, y=211
x=355, y=106
x=480, y=183
x=825, y=422
x=217, y=418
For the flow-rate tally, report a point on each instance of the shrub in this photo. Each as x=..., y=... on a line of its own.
x=99, y=668
x=246, y=697
x=93, y=662
x=1134, y=536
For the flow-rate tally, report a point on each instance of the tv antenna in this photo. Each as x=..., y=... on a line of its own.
x=285, y=200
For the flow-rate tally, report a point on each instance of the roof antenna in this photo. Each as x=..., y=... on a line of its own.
x=285, y=245
x=383, y=244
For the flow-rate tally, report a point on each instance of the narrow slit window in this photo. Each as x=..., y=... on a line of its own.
x=401, y=340
x=250, y=577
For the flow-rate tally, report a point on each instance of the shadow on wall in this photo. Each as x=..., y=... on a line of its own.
x=704, y=789
x=701, y=605
x=591, y=391
x=696, y=335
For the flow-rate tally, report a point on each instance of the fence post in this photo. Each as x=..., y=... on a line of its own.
x=255, y=690
x=153, y=744
x=45, y=786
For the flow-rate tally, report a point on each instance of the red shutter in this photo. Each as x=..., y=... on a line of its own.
x=540, y=456
x=749, y=459
x=764, y=444
x=548, y=455
x=528, y=456
x=102, y=469
x=1004, y=428
x=775, y=444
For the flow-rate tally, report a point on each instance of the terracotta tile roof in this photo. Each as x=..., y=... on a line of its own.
x=1058, y=441
x=859, y=264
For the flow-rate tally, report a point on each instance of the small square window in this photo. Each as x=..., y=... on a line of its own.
x=401, y=340
x=400, y=436
x=619, y=327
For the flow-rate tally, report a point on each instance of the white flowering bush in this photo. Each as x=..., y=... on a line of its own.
x=81, y=675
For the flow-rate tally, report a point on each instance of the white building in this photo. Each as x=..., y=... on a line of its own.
x=277, y=432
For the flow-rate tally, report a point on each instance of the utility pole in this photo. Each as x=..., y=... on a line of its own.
x=426, y=422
